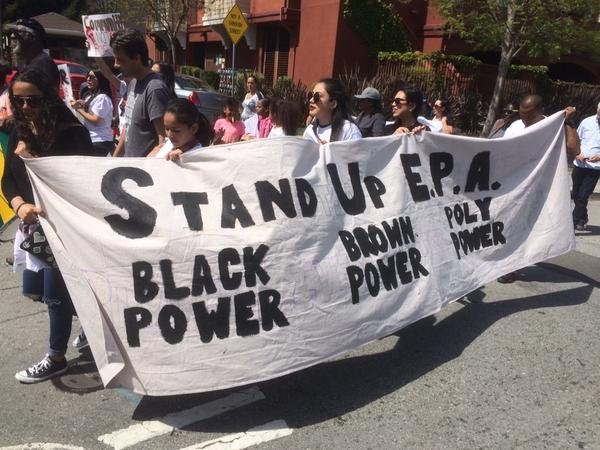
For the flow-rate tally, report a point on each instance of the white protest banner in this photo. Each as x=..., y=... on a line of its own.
x=250, y=261
x=98, y=29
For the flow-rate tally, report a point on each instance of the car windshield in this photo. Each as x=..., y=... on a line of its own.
x=79, y=70
x=191, y=83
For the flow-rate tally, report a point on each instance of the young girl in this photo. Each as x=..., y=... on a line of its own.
x=187, y=130
x=230, y=128
x=285, y=117
x=264, y=125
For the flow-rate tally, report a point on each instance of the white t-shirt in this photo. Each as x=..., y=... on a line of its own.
x=101, y=105
x=516, y=128
x=350, y=132
x=276, y=132
x=168, y=146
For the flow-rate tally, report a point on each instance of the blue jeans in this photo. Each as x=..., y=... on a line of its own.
x=584, y=182
x=50, y=286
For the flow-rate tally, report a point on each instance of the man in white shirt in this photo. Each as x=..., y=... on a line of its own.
x=531, y=111
x=586, y=168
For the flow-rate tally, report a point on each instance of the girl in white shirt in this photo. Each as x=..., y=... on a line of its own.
x=328, y=106
x=97, y=111
x=187, y=130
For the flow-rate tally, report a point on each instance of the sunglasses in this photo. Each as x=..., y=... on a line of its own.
x=314, y=96
x=33, y=101
x=91, y=77
x=399, y=101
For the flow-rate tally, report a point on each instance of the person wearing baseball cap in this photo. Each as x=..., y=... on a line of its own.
x=28, y=43
x=371, y=120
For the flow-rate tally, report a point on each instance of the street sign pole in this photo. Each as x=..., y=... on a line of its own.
x=235, y=25
x=233, y=71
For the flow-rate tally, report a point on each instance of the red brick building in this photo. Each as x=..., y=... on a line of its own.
x=309, y=39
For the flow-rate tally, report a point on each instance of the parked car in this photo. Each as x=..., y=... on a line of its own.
x=208, y=101
x=78, y=75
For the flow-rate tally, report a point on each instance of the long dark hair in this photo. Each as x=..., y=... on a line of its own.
x=341, y=113
x=286, y=114
x=186, y=113
x=414, y=96
x=53, y=113
x=168, y=75
x=234, y=106
x=103, y=88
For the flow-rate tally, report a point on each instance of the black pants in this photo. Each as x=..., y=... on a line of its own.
x=103, y=148
x=584, y=182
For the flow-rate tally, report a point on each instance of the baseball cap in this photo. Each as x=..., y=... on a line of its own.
x=369, y=93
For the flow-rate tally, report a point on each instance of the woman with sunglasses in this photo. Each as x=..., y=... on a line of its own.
x=43, y=126
x=441, y=116
x=331, y=120
x=406, y=107
x=97, y=111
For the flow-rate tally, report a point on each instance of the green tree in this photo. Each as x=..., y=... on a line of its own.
x=17, y=9
x=379, y=24
x=534, y=27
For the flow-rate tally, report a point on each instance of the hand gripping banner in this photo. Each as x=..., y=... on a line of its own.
x=246, y=262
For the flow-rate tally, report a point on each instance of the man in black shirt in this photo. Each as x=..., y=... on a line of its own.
x=29, y=39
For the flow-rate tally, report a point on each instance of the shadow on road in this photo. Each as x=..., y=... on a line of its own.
x=332, y=389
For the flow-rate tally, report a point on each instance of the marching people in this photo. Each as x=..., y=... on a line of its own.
x=285, y=117
x=509, y=115
x=29, y=42
x=167, y=73
x=147, y=97
x=586, y=167
x=186, y=128
x=406, y=108
x=44, y=126
x=253, y=95
x=263, y=123
x=97, y=111
x=531, y=111
x=331, y=120
x=370, y=121
x=229, y=128
x=442, y=117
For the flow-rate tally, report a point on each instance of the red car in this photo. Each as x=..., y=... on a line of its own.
x=78, y=74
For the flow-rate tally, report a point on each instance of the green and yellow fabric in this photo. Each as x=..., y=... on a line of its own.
x=6, y=212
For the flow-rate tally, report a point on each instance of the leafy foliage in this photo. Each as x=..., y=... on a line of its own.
x=378, y=23
x=535, y=27
x=212, y=78
x=17, y=9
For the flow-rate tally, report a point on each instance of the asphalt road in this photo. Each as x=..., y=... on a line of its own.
x=511, y=366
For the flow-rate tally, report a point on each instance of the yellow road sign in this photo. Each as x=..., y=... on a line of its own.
x=235, y=23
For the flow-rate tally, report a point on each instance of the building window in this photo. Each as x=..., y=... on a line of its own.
x=276, y=55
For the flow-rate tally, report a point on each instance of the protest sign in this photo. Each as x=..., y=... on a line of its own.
x=65, y=83
x=250, y=261
x=98, y=29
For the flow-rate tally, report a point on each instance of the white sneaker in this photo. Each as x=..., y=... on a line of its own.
x=80, y=341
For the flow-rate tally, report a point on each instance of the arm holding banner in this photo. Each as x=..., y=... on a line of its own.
x=571, y=136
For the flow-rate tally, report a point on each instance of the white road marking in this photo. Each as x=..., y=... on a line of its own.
x=149, y=429
x=254, y=436
x=42, y=446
